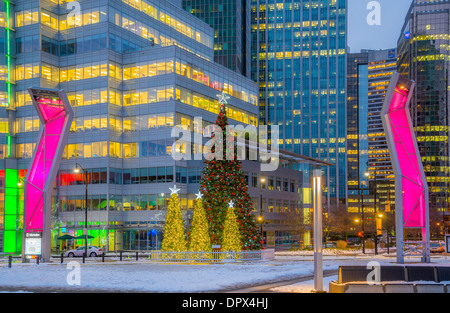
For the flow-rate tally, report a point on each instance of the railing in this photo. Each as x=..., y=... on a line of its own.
x=204, y=256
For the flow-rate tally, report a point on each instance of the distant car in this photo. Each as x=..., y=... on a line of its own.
x=330, y=244
x=437, y=247
x=352, y=241
x=92, y=252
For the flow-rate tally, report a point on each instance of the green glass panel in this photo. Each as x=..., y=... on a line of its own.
x=10, y=222
x=19, y=241
x=9, y=241
x=11, y=178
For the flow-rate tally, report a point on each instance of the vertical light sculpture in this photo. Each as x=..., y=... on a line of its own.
x=56, y=116
x=411, y=189
x=317, y=206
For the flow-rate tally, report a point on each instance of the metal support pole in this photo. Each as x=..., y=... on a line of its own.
x=85, y=213
x=9, y=261
x=375, y=208
x=317, y=199
x=362, y=222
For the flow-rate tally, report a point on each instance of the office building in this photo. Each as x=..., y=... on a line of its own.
x=371, y=177
x=132, y=70
x=230, y=20
x=299, y=63
x=423, y=56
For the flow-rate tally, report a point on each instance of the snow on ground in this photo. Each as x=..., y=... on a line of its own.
x=306, y=286
x=153, y=277
x=147, y=276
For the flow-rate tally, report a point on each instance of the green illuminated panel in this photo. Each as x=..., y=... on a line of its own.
x=10, y=222
x=12, y=238
x=9, y=241
x=11, y=179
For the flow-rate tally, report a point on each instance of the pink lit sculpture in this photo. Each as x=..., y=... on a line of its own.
x=56, y=116
x=411, y=189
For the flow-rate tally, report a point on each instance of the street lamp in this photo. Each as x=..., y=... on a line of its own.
x=375, y=207
x=367, y=174
x=77, y=170
x=260, y=218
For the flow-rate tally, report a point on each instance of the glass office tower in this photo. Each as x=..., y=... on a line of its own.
x=357, y=128
x=424, y=57
x=230, y=20
x=132, y=70
x=370, y=173
x=381, y=66
x=299, y=63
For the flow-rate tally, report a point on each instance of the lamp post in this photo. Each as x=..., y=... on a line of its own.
x=375, y=207
x=362, y=216
x=77, y=169
x=318, y=229
x=260, y=218
x=380, y=217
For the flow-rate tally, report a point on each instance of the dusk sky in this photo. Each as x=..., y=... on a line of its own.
x=384, y=36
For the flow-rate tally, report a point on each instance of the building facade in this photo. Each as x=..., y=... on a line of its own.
x=357, y=128
x=381, y=66
x=423, y=56
x=230, y=20
x=299, y=63
x=371, y=177
x=132, y=70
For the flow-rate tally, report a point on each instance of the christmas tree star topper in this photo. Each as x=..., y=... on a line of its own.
x=174, y=190
x=231, y=204
x=199, y=195
x=223, y=98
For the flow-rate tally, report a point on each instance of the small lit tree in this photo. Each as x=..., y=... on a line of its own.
x=199, y=239
x=231, y=234
x=174, y=238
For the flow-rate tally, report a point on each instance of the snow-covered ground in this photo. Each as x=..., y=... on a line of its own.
x=149, y=276
x=153, y=277
x=306, y=286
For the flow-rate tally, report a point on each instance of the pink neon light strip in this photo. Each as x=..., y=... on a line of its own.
x=413, y=185
x=43, y=161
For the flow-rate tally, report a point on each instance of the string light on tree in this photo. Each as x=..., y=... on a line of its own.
x=231, y=232
x=174, y=237
x=223, y=180
x=199, y=239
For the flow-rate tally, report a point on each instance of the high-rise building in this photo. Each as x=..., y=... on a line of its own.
x=131, y=70
x=357, y=128
x=230, y=20
x=370, y=173
x=381, y=66
x=424, y=57
x=299, y=63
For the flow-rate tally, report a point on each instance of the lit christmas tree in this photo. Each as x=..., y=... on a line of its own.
x=199, y=239
x=231, y=239
x=221, y=181
x=174, y=239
